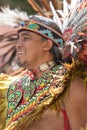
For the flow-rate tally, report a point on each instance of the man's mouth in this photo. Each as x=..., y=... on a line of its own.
x=19, y=52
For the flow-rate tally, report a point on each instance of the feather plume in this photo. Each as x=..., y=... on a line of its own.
x=72, y=11
x=8, y=38
x=56, y=18
x=82, y=21
x=61, y=13
x=12, y=17
x=73, y=5
x=79, y=16
x=36, y=7
x=7, y=49
x=65, y=8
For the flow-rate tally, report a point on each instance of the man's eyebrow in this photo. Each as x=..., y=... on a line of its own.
x=25, y=34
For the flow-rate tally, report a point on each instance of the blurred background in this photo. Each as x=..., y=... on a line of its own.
x=26, y=5
x=21, y=4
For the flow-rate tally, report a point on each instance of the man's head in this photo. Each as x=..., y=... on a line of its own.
x=39, y=42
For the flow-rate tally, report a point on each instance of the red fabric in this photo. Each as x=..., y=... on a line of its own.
x=66, y=121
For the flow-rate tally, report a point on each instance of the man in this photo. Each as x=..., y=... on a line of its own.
x=33, y=100
x=36, y=53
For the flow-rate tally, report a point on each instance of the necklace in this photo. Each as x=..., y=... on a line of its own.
x=43, y=67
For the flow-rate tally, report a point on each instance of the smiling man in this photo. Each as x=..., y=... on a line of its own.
x=38, y=50
x=52, y=94
x=33, y=51
x=34, y=99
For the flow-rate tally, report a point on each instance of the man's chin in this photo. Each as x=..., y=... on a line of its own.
x=19, y=62
x=23, y=64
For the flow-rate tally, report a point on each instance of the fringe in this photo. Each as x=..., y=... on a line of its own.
x=76, y=69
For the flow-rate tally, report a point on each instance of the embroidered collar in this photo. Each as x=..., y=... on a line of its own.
x=25, y=96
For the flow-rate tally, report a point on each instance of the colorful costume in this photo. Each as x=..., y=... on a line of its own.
x=29, y=98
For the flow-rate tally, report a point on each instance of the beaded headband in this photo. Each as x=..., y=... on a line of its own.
x=42, y=30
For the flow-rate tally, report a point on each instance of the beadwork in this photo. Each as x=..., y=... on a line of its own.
x=46, y=32
x=24, y=98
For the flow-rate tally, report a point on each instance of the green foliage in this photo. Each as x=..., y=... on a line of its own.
x=21, y=4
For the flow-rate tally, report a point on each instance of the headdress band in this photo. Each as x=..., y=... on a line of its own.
x=42, y=30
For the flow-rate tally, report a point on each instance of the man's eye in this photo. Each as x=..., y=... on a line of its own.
x=25, y=38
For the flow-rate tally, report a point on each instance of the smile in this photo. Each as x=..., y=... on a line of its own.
x=21, y=52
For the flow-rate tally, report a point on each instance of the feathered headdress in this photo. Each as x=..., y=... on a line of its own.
x=72, y=21
x=12, y=17
x=68, y=27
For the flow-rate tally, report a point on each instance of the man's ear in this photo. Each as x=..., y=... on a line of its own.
x=48, y=45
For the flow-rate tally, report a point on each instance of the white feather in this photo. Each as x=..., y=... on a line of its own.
x=12, y=17
x=73, y=6
x=65, y=7
x=61, y=13
x=56, y=17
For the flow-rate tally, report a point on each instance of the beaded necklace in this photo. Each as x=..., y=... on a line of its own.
x=44, y=67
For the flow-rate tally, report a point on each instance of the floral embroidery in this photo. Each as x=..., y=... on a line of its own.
x=24, y=98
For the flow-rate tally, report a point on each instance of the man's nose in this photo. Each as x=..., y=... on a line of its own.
x=19, y=44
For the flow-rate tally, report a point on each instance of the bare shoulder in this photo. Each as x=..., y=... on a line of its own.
x=78, y=89
x=77, y=82
x=76, y=104
x=49, y=121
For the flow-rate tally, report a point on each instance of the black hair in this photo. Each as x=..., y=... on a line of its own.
x=56, y=53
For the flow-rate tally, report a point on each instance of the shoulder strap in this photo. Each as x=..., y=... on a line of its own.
x=66, y=121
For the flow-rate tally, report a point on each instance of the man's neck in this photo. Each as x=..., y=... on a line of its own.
x=38, y=72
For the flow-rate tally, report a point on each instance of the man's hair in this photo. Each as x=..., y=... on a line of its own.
x=56, y=53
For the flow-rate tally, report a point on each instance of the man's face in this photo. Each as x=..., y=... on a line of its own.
x=29, y=49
